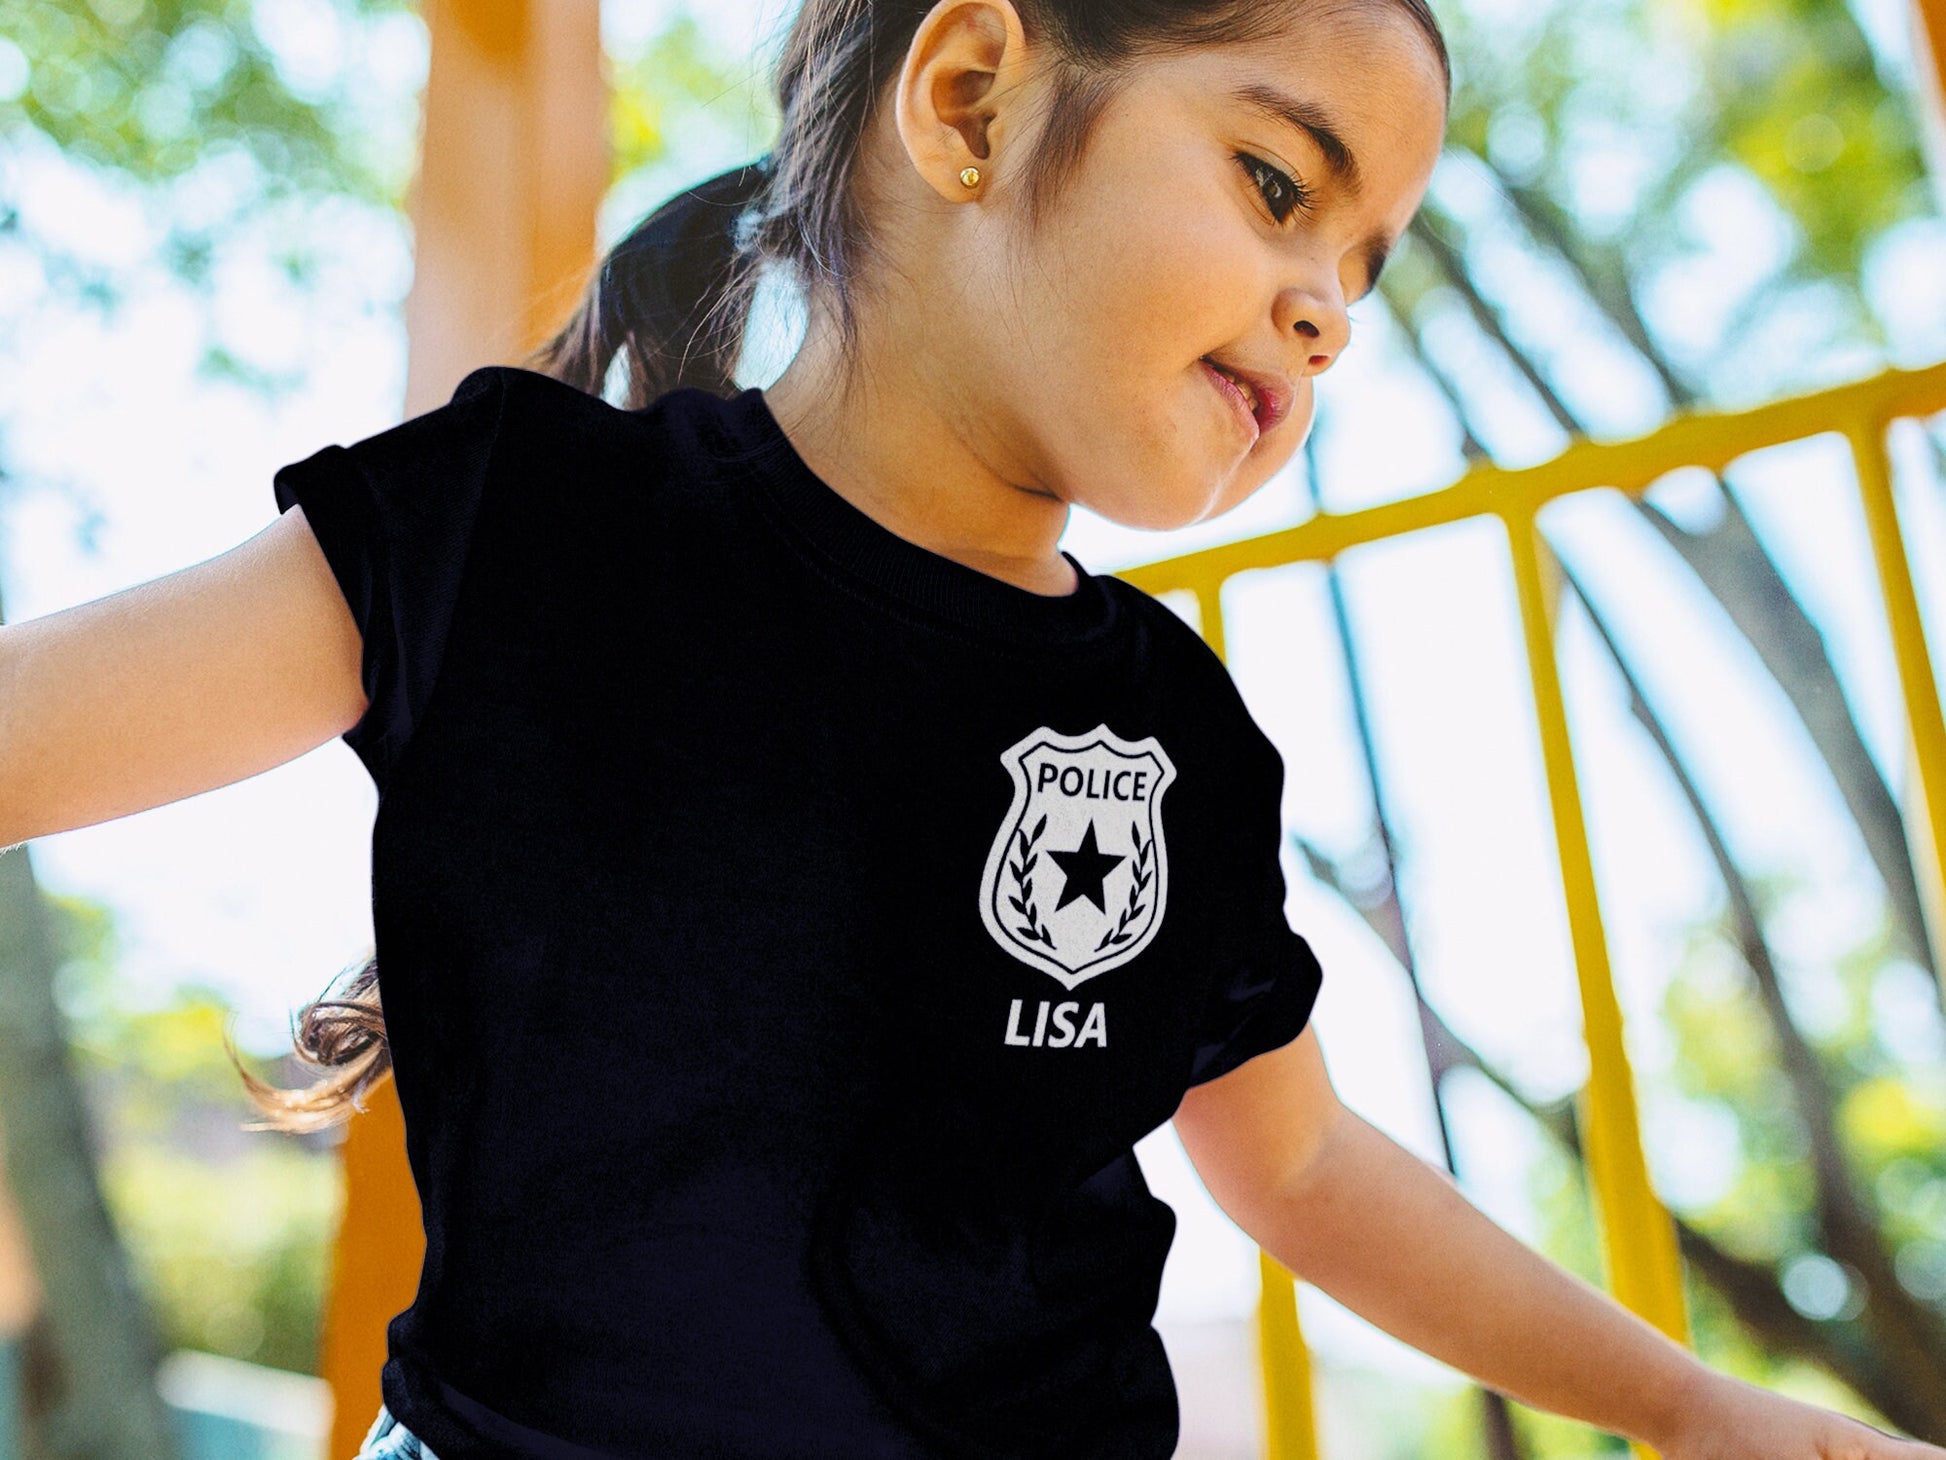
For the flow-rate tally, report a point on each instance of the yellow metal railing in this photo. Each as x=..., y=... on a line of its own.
x=1638, y=1239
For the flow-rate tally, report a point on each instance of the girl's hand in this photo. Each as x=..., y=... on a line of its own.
x=1733, y=1420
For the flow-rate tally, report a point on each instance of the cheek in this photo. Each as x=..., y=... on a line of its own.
x=1148, y=285
x=1093, y=334
x=1292, y=430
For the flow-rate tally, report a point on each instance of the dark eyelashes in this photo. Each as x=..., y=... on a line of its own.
x=1283, y=193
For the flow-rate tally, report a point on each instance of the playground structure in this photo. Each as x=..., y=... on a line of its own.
x=1638, y=1244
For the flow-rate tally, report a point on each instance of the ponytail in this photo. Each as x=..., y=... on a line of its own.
x=672, y=298
x=346, y=1037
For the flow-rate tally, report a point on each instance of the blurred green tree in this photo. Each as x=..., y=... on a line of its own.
x=228, y=1230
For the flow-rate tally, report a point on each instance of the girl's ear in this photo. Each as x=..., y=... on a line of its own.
x=957, y=94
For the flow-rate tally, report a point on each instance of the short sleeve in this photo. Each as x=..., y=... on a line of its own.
x=1265, y=977
x=395, y=515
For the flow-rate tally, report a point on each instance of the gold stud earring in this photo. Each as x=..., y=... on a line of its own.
x=970, y=176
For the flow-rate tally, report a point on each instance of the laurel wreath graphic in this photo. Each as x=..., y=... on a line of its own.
x=1137, y=884
x=1035, y=930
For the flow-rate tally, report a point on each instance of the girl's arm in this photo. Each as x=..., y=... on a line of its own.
x=1391, y=1237
x=179, y=685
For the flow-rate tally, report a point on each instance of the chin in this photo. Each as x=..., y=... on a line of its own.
x=1253, y=469
x=1155, y=515
x=1151, y=504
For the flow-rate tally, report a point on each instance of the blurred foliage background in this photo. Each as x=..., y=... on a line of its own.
x=229, y=1230
x=1715, y=202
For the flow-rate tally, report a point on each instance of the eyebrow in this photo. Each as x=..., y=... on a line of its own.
x=1317, y=124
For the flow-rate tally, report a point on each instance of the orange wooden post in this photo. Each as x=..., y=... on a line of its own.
x=1928, y=30
x=375, y=1268
x=1931, y=57
x=513, y=165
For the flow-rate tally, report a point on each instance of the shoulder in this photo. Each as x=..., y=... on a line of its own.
x=1178, y=649
x=1172, y=634
x=539, y=391
x=542, y=408
x=552, y=430
x=575, y=477
x=515, y=395
x=1199, y=679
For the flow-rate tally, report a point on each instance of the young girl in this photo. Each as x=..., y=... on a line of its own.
x=798, y=884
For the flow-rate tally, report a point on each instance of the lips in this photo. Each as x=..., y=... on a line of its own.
x=1249, y=391
x=1239, y=397
x=1265, y=397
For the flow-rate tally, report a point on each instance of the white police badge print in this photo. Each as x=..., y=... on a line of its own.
x=1077, y=878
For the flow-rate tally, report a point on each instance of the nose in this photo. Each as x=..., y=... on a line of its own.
x=1315, y=325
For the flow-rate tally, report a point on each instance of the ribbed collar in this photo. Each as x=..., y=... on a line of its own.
x=865, y=548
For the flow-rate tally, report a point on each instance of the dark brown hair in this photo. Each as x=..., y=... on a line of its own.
x=346, y=1037
x=672, y=299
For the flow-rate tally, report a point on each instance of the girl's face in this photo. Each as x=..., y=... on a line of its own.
x=1200, y=223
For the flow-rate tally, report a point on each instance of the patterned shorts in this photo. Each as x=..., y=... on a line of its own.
x=387, y=1439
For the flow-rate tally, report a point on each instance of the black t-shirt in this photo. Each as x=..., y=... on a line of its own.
x=785, y=934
